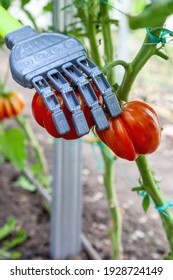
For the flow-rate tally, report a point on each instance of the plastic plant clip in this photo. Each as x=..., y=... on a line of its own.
x=41, y=59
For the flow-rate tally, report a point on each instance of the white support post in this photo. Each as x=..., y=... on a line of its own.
x=66, y=199
x=66, y=212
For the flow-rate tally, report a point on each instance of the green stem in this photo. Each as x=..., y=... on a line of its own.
x=151, y=188
x=150, y=185
x=91, y=34
x=107, y=38
x=30, y=135
x=144, y=54
x=114, y=63
x=114, y=209
x=109, y=164
x=31, y=18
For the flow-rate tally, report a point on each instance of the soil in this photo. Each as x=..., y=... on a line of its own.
x=142, y=234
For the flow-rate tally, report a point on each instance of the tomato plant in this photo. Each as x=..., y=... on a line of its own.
x=11, y=104
x=135, y=132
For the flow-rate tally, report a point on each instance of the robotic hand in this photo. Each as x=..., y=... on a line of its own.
x=48, y=61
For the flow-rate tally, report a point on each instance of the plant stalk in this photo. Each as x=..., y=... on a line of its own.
x=90, y=25
x=109, y=164
x=114, y=210
x=151, y=188
x=92, y=36
x=142, y=57
x=107, y=39
x=30, y=136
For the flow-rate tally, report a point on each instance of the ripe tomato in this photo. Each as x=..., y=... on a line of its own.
x=71, y=135
x=38, y=108
x=135, y=132
x=44, y=117
x=11, y=104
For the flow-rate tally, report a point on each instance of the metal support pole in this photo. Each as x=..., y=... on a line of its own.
x=66, y=212
x=66, y=199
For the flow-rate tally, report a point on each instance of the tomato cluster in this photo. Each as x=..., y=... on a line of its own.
x=11, y=104
x=44, y=117
x=136, y=131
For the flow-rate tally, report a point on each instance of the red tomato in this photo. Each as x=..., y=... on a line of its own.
x=135, y=132
x=71, y=135
x=44, y=117
x=51, y=129
x=38, y=108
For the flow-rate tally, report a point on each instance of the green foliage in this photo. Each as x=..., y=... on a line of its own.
x=13, y=146
x=24, y=2
x=4, y=254
x=30, y=17
x=138, y=6
x=48, y=7
x=1, y=42
x=25, y=184
x=6, y=3
x=18, y=239
x=168, y=256
x=80, y=3
x=47, y=207
x=146, y=203
x=153, y=15
x=8, y=228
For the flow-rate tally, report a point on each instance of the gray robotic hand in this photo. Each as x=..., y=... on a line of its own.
x=40, y=60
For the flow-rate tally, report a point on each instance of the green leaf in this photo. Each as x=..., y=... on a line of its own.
x=2, y=41
x=36, y=168
x=19, y=239
x=4, y=254
x=6, y=3
x=24, y=183
x=66, y=7
x=8, y=228
x=138, y=189
x=24, y=2
x=47, y=207
x=138, y=6
x=31, y=18
x=168, y=256
x=153, y=15
x=13, y=147
x=2, y=158
x=15, y=255
x=79, y=3
x=146, y=203
x=114, y=21
x=48, y=7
